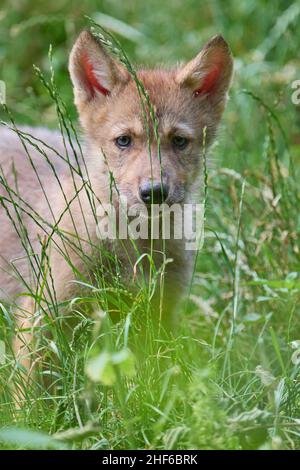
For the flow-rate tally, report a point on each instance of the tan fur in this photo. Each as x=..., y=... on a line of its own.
x=103, y=119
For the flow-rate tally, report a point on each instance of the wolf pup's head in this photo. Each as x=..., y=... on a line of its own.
x=185, y=100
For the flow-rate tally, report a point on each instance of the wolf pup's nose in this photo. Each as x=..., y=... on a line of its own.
x=154, y=193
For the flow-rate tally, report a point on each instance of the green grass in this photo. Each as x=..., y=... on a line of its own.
x=228, y=378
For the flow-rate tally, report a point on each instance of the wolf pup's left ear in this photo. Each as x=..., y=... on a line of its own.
x=209, y=74
x=95, y=75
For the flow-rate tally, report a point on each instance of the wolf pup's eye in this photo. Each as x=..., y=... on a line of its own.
x=179, y=142
x=123, y=141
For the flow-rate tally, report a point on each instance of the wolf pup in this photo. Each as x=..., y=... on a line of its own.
x=48, y=198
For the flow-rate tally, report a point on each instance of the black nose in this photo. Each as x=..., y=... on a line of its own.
x=154, y=193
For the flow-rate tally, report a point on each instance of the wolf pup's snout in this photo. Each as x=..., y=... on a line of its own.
x=154, y=193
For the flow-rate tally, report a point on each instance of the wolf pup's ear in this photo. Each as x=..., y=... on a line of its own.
x=93, y=72
x=209, y=73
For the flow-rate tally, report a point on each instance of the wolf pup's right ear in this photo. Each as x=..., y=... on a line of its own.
x=209, y=74
x=94, y=74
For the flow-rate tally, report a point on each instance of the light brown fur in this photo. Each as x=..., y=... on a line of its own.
x=103, y=119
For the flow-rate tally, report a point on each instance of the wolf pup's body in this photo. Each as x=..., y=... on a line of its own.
x=186, y=100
